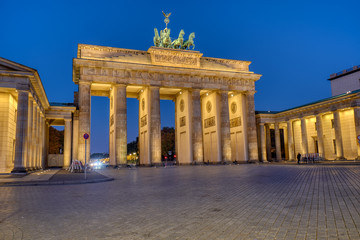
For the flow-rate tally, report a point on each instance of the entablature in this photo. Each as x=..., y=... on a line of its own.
x=339, y=103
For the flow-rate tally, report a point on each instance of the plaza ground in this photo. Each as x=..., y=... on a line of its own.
x=255, y=201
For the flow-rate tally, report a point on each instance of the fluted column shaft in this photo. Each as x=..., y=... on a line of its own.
x=277, y=142
x=21, y=131
x=75, y=135
x=225, y=127
x=268, y=142
x=37, y=146
x=319, y=131
x=120, y=124
x=84, y=120
x=338, y=136
x=290, y=140
x=33, y=137
x=304, y=142
x=251, y=127
x=30, y=140
x=67, y=143
x=263, y=142
x=357, y=128
x=155, y=127
x=197, y=136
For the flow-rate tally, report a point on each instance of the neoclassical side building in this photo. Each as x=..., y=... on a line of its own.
x=328, y=127
x=25, y=117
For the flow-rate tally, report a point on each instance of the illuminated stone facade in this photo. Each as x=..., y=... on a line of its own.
x=328, y=127
x=25, y=117
x=202, y=89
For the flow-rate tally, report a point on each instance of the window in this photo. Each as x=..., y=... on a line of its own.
x=315, y=126
x=332, y=123
x=334, y=143
x=15, y=115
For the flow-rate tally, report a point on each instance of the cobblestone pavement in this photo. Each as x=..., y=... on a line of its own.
x=198, y=202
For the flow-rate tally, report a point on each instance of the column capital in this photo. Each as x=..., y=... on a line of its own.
x=154, y=87
x=195, y=89
x=119, y=85
x=67, y=119
x=249, y=92
x=85, y=82
x=223, y=91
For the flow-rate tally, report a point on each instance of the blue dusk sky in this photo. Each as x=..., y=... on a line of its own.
x=295, y=45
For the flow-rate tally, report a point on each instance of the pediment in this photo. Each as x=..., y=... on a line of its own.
x=7, y=65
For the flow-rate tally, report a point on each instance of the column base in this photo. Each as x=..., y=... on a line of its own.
x=340, y=158
x=197, y=163
x=145, y=165
x=19, y=170
x=123, y=165
x=157, y=164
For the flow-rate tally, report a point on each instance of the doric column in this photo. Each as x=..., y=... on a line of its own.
x=38, y=161
x=286, y=149
x=319, y=131
x=290, y=140
x=32, y=160
x=155, y=127
x=251, y=127
x=84, y=119
x=67, y=143
x=43, y=143
x=225, y=127
x=37, y=145
x=120, y=124
x=30, y=141
x=357, y=128
x=277, y=141
x=21, y=131
x=46, y=146
x=75, y=135
x=338, y=136
x=268, y=142
x=304, y=142
x=197, y=136
x=263, y=142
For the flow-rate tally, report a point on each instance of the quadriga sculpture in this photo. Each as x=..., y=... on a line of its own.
x=177, y=43
x=157, y=40
x=190, y=42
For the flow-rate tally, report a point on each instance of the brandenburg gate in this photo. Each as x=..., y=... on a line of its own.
x=214, y=101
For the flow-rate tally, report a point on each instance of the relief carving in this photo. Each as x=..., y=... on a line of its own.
x=182, y=121
x=235, y=122
x=143, y=121
x=112, y=119
x=209, y=122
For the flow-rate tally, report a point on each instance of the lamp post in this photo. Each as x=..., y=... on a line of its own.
x=86, y=136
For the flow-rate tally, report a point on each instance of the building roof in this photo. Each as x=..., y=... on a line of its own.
x=311, y=103
x=344, y=72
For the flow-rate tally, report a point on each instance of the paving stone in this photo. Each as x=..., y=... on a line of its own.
x=191, y=202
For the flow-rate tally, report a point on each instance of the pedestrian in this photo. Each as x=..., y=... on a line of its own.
x=298, y=157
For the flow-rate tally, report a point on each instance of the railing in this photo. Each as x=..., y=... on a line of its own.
x=344, y=71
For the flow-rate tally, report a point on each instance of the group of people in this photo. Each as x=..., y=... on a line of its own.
x=306, y=158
